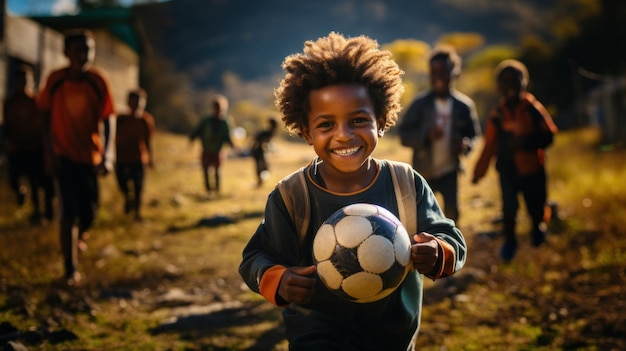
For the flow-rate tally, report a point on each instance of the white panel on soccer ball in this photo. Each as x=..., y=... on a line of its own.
x=376, y=254
x=324, y=243
x=329, y=274
x=383, y=212
x=362, y=285
x=362, y=210
x=402, y=246
x=352, y=230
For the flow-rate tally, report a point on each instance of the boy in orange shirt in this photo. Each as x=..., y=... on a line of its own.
x=77, y=99
x=518, y=131
x=134, y=151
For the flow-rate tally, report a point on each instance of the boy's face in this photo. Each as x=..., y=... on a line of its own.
x=217, y=108
x=440, y=77
x=80, y=53
x=509, y=84
x=136, y=102
x=342, y=127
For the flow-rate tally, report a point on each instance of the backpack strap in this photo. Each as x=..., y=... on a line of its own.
x=404, y=187
x=295, y=195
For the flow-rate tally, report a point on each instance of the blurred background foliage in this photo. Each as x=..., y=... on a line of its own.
x=197, y=48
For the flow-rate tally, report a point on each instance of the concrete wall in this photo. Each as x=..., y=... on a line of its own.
x=26, y=41
x=119, y=62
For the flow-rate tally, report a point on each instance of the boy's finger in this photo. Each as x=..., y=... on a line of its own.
x=421, y=238
x=306, y=270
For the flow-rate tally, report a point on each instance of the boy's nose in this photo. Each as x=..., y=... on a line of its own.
x=344, y=131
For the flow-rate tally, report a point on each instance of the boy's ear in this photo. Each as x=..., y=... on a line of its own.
x=380, y=125
x=306, y=134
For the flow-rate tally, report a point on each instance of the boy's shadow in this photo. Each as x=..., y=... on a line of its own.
x=215, y=221
x=199, y=325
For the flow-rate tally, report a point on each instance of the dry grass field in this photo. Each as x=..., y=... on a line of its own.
x=171, y=281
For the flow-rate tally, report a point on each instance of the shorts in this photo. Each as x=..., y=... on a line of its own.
x=125, y=172
x=78, y=187
x=211, y=159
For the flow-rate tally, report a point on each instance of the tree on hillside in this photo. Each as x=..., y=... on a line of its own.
x=477, y=79
x=463, y=43
x=170, y=95
x=411, y=56
x=585, y=32
x=253, y=101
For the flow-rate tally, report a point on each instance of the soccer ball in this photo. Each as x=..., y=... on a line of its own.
x=362, y=252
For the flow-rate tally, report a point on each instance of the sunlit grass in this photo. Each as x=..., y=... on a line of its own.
x=535, y=303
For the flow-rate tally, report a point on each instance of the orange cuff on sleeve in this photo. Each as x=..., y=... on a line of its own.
x=448, y=260
x=270, y=282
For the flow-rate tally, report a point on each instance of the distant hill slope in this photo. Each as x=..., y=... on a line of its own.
x=205, y=38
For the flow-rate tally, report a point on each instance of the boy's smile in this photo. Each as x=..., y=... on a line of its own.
x=342, y=129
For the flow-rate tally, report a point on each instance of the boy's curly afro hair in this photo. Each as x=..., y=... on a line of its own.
x=448, y=54
x=515, y=66
x=334, y=60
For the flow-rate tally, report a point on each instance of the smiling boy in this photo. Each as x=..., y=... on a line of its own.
x=341, y=95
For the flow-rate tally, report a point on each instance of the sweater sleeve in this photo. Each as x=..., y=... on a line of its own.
x=473, y=127
x=452, y=245
x=271, y=249
x=489, y=148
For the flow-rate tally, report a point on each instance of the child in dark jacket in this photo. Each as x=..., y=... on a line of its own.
x=440, y=126
x=214, y=132
x=341, y=95
x=259, y=146
x=518, y=131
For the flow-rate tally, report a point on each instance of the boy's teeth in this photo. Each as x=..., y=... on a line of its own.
x=346, y=152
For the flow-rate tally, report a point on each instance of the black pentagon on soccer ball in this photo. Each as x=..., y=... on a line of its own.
x=346, y=261
x=336, y=217
x=393, y=276
x=382, y=226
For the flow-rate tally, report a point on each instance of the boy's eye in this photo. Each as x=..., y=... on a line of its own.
x=326, y=124
x=362, y=120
